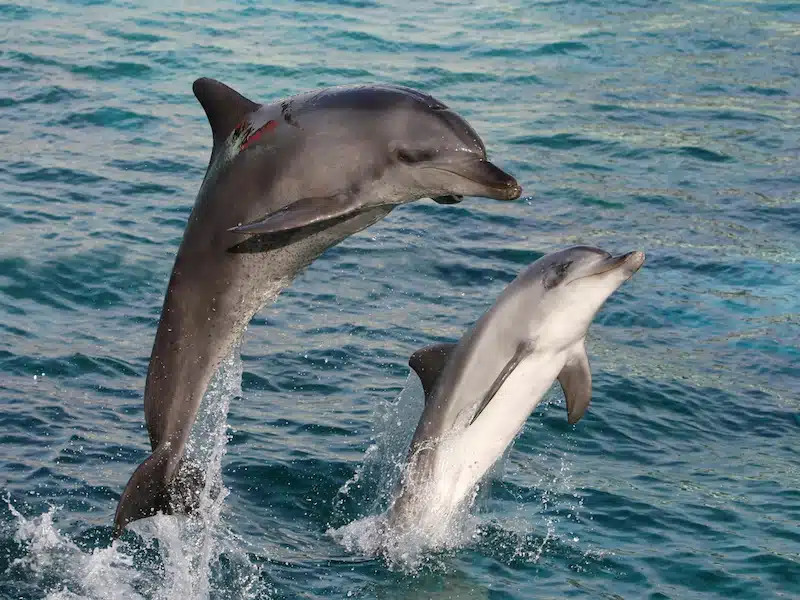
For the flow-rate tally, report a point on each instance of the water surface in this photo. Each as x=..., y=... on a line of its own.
x=669, y=126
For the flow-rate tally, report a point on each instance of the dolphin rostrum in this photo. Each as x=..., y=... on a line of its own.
x=285, y=182
x=480, y=391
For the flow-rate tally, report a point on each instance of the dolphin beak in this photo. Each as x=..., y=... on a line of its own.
x=480, y=178
x=631, y=262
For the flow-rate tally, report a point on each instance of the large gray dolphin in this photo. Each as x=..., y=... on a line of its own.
x=480, y=391
x=285, y=182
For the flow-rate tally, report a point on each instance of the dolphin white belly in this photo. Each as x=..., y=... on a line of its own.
x=465, y=457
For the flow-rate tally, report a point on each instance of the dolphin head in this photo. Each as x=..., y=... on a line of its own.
x=407, y=142
x=572, y=285
x=434, y=151
x=323, y=158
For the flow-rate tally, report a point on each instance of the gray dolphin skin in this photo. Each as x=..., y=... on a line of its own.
x=285, y=182
x=480, y=391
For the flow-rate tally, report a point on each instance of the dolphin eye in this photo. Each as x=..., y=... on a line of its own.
x=410, y=157
x=556, y=275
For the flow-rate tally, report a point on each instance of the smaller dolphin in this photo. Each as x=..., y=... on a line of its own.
x=480, y=391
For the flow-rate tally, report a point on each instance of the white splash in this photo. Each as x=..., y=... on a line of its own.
x=383, y=467
x=418, y=546
x=174, y=557
x=51, y=555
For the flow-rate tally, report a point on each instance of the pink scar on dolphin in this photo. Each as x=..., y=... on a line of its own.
x=267, y=127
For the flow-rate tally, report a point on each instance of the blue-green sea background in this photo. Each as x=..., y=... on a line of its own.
x=667, y=126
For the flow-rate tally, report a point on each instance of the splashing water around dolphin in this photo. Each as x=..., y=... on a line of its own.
x=359, y=518
x=173, y=557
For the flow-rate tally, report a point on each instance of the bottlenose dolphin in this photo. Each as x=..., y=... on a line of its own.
x=480, y=391
x=285, y=182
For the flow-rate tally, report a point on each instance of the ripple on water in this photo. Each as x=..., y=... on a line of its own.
x=107, y=117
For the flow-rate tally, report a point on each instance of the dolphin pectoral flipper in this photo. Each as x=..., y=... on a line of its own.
x=428, y=363
x=524, y=350
x=576, y=382
x=302, y=213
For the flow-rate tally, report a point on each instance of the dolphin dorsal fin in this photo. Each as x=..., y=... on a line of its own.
x=429, y=362
x=224, y=106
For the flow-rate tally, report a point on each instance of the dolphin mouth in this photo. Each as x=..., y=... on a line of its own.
x=451, y=199
x=489, y=181
x=630, y=262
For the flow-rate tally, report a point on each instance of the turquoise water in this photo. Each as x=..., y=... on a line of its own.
x=673, y=127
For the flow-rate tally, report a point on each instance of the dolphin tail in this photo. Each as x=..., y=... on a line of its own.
x=155, y=488
x=146, y=493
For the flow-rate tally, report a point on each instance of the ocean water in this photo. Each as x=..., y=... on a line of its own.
x=667, y=126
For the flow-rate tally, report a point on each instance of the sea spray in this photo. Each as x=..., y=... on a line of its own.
x=370, y=488
x=172, y=556
x=478, y=523
x=370, y=491
x=192, y=547
x=57, y=565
